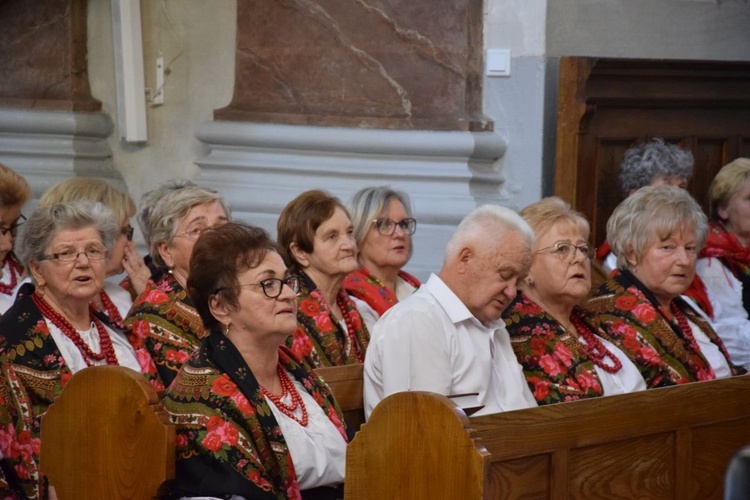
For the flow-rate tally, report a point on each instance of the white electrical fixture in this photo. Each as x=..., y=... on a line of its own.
x=131, y=92
x=498, y=62
x=158, y=96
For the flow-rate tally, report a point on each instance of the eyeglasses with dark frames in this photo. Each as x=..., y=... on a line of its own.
x=72, y=255
x=387, y=227
x=272, y=287
x=566, y=250
x=13, y=229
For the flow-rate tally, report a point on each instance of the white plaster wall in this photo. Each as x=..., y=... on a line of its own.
x=200, y=43
x=667, y=29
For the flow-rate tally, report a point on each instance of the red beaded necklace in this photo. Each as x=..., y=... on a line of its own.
x=287, y=387
x=682, y=321
x=112, y=313
x=596, y=350
x=346, y=313
x=107, y=349
x=15, y=271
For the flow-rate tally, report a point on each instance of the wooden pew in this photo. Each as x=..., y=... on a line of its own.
x=671, y=443
x=346, y=384
x=107, y=436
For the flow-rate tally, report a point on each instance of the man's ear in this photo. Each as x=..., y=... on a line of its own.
x=463, y=258
x=166, y=254
x=299, y=255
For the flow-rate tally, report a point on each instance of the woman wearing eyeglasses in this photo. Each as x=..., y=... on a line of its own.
x=115, y=299
x=252, y=421
x=656, y=234
x=14, y=193
x=556, y=341
x=383, y=227
x=53, y=332
x=163, y=317
x=315, y=230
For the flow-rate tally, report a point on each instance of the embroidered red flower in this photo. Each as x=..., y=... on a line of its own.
x=223, y=386
x=176, y=356
x=645, y=313
x=541, y=390
x=141, y=328
x=563, y=353
x=323, y=322
x=549, y=365
x=309, y=307
x=212, y=442
x=243, y=404
x=301, y=344
x=626, y=302
x=181, y=440
x=156, y=297
x=214, y=422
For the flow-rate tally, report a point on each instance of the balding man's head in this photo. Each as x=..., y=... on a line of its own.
x=485, y=258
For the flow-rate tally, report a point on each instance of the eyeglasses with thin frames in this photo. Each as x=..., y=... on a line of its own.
x=566, y=250
x=272, y=287
x=72, y=255
x=13, y=229
x=387, y=227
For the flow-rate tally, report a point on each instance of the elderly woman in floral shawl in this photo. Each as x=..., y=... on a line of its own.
x=656, y=234
x=317, y=232
x=252, y=420
x=557, y=342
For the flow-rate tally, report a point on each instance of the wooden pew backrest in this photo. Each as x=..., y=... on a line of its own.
x=346, y=384
x=416, y=445
x=107, y=436
x=665, y=443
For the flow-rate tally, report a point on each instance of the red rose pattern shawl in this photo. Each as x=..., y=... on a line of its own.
x=363, y=285
x=319, y=340
x=228, y=441
x=632, y=320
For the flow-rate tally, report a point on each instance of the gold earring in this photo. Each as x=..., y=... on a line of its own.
x=226, y=329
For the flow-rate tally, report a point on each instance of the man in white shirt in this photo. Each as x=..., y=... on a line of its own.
x=448, y=337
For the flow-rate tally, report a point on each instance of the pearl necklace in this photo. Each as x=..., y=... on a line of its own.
x=596, y=350
x=287, y=388
x=15, y=271
x=107, y=349
x=346, y=313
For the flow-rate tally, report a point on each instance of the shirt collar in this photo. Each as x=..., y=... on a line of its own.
x=453, y=306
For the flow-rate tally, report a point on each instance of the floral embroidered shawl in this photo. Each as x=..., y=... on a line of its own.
x=228, y=441
x=556, y=365
x=164, y=320
x=631, y=320
x=35, y=373
x=363, y=285
x=319, y=340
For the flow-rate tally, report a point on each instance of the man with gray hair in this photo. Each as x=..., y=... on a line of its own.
x=448, y=337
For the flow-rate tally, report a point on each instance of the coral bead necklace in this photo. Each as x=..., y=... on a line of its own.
x=287, y=388
x=346, y=313
x=107, y=349
x=596, y=350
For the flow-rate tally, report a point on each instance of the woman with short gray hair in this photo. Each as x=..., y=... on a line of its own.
x=163, y=316
x=383, y=226
x=657, y=233
x=51, y=331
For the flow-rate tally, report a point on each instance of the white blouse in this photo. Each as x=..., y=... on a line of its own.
x=74, y=359
x=627, y=379
x=318, y=450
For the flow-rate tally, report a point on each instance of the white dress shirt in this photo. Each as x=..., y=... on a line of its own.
x=430, y=341
x=730, y=319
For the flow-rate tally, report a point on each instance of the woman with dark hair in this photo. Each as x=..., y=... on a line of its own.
x=252, y=421
x=316, y=231
x=14, y=193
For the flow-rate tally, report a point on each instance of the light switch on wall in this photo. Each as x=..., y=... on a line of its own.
x=498, y=62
